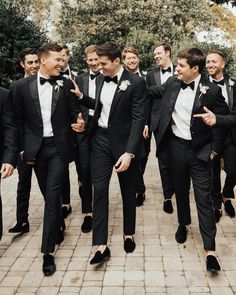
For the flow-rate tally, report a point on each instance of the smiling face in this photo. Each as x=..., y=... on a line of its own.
x=215, y=65
x=93, y=62
x=108, y=67
x=30, y=64
x=162, y=57
x=131, y=62
x=51, y=63
x=184, y=72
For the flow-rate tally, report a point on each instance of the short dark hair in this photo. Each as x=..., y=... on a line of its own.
x=166, y=46
x=217, y=52
x=27, y=51
x=46, y=47
x=109, y=49
x=64, y=46
x=194, y=57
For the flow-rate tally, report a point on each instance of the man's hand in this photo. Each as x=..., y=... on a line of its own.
x=79, y=126
x=6, y=170
x=76, y=91
x=208, y=118
x=123, y=163
x=145, y=132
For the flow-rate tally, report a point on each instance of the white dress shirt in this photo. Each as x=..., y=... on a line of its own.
x=183, y=111
x=106, y=98
x=223, y=89
x=92, y=89
x=45, y=100
x=166, y=75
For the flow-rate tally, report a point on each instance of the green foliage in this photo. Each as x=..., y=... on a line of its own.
x=16, y=34
x=131, y=22
x=233, y=2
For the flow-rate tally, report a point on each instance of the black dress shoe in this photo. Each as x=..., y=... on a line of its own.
x=20, y=228
x=49, y=266
x=212, y=264
x=129, y=245
x=167, y=206
x=65, y=211
x=87, y=225
x=218, y=214
x=229, y=208
x=140, y=199
x=181, y=234
x=100, y=257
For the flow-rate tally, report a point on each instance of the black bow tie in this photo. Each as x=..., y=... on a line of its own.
x=166, y=70
x=67, y=72
x=185, y=85
x=221, y=82
x=50, y=80
x=109, y=79
x=93, y=76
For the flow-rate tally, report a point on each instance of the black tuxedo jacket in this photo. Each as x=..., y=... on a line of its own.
x=204, y=138
x=65, y=106
x=127, y=114
x=8, y=130
x=154, y=104
x=83, y=83
x=229, y=121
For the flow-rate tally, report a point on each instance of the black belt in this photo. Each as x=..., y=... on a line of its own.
x=48, y=140
x=182, y=140
x=102, y=129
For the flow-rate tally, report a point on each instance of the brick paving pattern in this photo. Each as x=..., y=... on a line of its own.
x=158, y=266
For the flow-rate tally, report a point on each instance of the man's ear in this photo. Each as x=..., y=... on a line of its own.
x=22, y=64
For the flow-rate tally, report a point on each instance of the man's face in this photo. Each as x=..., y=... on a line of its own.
x=161, y=57
x=214, y=64
x=184, y=72
x=30, y=64
x=52, y=63
x=131, y=62
x=93, y=62
x=108, y=67
x=65, y=57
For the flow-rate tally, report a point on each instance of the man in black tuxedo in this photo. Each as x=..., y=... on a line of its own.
x=45, y=107
x=119, y=120
x=156, y=77
x=191, y=144
x=8, y=141
x=130, y=56
x=30, y=64
x=87, y=85
x=215, y=63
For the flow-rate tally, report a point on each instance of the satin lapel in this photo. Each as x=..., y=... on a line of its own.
x=199, y=99
x=33, y=87
x=157, y=76
x=99, y=84
x=86, y=84
x=118, y=93
x=175, y=89
x=56, y=92
x=230, y=94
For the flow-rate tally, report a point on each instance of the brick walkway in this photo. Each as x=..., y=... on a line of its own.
x=158, y=265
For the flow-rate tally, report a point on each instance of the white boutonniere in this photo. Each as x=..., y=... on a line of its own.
x=124, y=85
x=59, y=83
x=144, y=73
x=231, y=83
x=203, y=89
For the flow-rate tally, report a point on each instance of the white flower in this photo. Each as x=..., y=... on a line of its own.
x=203, y=89
x=59, y=84
x=144, y=73
x=124, y=85
x=231, y=83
